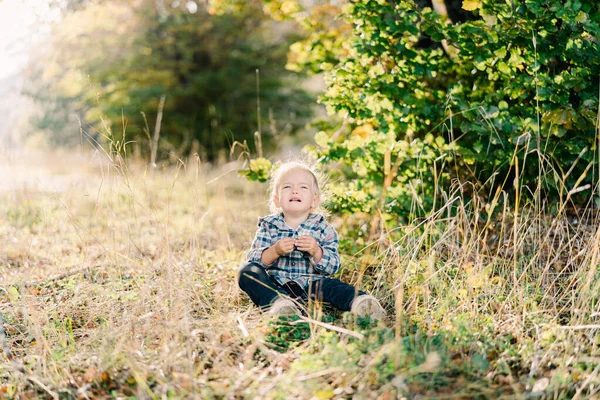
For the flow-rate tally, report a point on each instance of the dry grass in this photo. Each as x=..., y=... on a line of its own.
x=124, y=285
x=128, y=273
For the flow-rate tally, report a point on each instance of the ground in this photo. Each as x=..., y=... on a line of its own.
x=118, y=280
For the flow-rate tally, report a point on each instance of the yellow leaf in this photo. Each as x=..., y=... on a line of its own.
x=471, y=5
x=363, y=131
x=289, y=6
x=13, y=294
x=324, y=394
x=322, y=139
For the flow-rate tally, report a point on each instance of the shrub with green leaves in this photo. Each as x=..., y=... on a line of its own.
x=485, y=91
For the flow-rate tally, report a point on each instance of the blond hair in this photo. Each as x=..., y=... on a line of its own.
x=281, y=169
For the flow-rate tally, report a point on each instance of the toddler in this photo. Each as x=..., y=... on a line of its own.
x=295, y=251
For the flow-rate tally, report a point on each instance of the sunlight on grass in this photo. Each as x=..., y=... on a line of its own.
x=124, y=285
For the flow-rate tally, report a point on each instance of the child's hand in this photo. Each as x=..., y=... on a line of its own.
x=284, y=246
x=310, y=245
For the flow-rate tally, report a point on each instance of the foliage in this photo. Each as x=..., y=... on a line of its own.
x=283, y=335
x=259, y=169
x=109, y=64
x=500, y=92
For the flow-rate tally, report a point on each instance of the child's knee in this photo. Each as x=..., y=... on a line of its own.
x=247, y=271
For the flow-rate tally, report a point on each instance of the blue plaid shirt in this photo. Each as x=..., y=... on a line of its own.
x=296, y=266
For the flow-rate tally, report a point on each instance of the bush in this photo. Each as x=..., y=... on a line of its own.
x=497, y=91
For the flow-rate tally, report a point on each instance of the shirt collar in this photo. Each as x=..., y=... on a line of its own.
x=279, y=222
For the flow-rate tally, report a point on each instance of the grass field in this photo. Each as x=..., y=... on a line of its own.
x=119, y=281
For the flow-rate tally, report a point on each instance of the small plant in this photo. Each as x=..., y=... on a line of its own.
x=25, y=215
x=285, y=335
x=259, y=169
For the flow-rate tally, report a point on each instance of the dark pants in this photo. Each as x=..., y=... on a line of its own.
x=263, y=289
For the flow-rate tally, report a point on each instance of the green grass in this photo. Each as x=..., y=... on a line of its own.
x=124, y=286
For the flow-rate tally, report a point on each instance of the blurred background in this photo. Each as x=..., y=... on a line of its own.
x=78, y=74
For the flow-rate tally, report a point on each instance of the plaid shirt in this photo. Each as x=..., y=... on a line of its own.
x=296, y=266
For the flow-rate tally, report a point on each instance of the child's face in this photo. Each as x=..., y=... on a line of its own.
x=296, y=194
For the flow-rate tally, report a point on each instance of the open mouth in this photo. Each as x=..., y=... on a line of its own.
x=295, y=200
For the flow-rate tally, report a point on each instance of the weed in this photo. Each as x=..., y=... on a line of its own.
x=283, y=334
x=25, y=215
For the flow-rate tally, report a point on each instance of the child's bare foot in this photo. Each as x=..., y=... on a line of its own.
x=368, y=306
x=283, y=307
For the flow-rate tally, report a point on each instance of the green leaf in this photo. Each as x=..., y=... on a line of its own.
x=557, y=130
x=492, y=112
x=500, y=53
x=480, y=362
x=490, y=19
x=504, y=68
x=581, y=17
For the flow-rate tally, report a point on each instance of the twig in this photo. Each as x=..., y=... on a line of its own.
x=242, y=327
x=578, y=327
x=258, y=133
x=303, y=319
x=588, y=360
x=587, y=382
x=5, y=346
x=54, y=278
x=159, y=115
x=40, y=384
x=319, y=373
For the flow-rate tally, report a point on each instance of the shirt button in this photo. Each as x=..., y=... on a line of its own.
x=293, y=263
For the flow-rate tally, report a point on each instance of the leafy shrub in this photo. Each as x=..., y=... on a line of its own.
x=500, y=92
